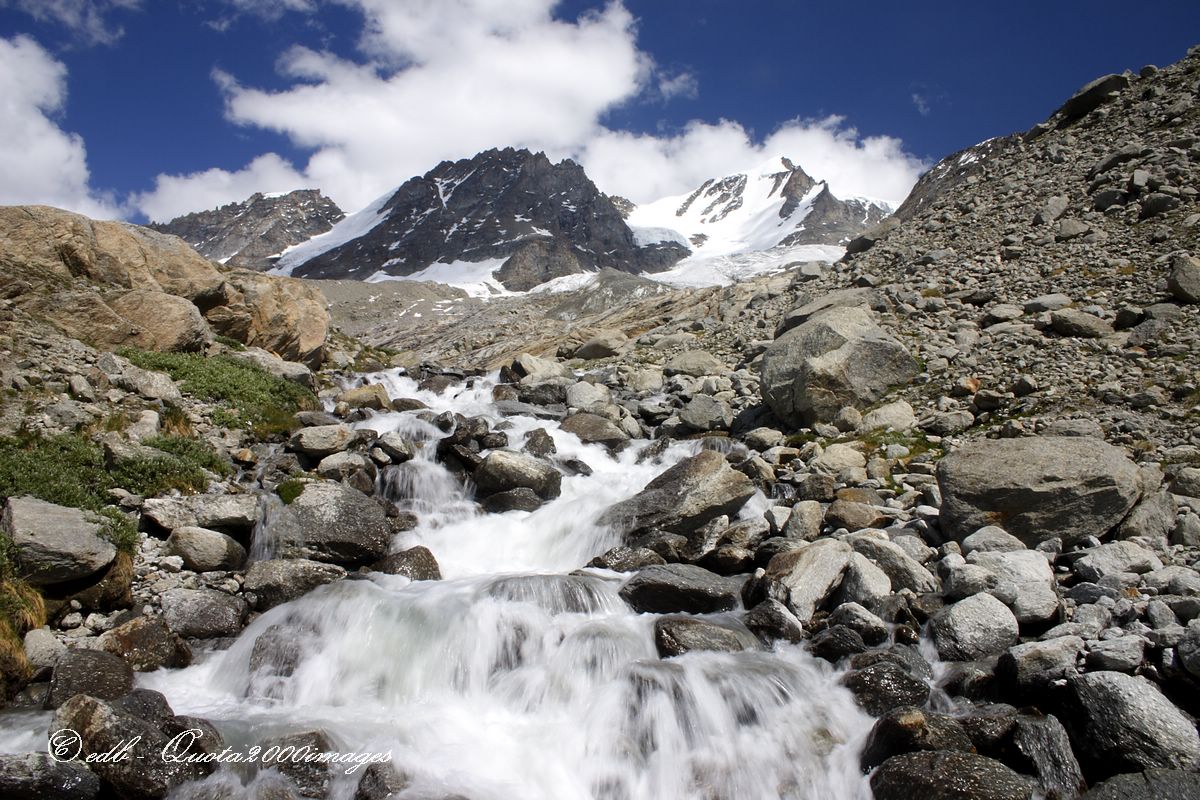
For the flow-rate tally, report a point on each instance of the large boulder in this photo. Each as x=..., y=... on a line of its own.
x=160, y=321
x=688, y=495
x=1032, y=582
x=331, y=522
x=203, y=550
x=603, y=344
x=95, y=727
x=810, y=574
x=55, y=544
x=676, y=635
x=281, y=368
x=1037, y=487
x=90, y=672
x=595, y=429
x=1153, y=784
x=503, y=470
x=278, y=580
x=974, y=628
x=682, y=588
x=948, y=775
x=1184, y=279
x=1127, y=724
x=319, y=441
x=146, y=644
x=34, y=776
x=836, y=359
x=285, y=316
x=203, y=613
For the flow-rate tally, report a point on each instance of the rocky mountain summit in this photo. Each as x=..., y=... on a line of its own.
x=536, y=220
x=251, y=234
x=961, y=465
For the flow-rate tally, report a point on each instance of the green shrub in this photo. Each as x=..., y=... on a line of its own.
x=191, y=451
x=249, y=397
x=231, y=343
x=289, y=490
x=120, y=530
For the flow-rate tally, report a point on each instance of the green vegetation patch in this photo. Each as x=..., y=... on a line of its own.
x=247, y=396
x=289, y=490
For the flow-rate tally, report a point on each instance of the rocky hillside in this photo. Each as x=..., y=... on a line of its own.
x=251, y=234
x=532, y=219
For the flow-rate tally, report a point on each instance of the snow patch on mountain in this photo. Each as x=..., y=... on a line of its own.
x=349, y=229
x=474, y=277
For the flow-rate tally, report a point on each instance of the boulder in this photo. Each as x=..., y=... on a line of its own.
x=1037, y=487
x=519, y=499
x=274, y=365
x=533, y=370
x=679, y=588
x=104, y=727
x=904, y=571
x=54, y=544
x=948, y=775
x=626, y=559
x=203, y=550
x=1072, y=322
x=1028, y=573
x=603, y=344
x=991, y=539
x=894, y=416
x=286, y=316
x=833, y=360
x=415, y=563
x=1114, y=558
x=685, y=497
x=809, y=575
x=1030, y=667
x=347, y=465
x=34, y=776
x=160, y=321
x=89, y=672
x=503, y=470
x=674, y=636
x=373, y=396
x=1184, y=279
x=277, y=581
x=1128, y=725
x=1153, y=784
x=868, y=238
x=331, y=522
x=885, y=685
x=323, y=440
x=706, y=413
x=1093, y=95
x=908, y=730
x=696, y=363
x=594, y=429
x=203, y=613
x=974, y=628
x=146, y=644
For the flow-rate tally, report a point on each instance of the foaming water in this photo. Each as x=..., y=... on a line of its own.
x=520, y=675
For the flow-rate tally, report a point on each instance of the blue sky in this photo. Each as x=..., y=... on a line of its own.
x=149, y=108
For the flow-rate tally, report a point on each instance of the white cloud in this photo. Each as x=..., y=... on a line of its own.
x=86, y=19
x=174, y=195
x=40, y=162
x=444, y=79
x=922, y=103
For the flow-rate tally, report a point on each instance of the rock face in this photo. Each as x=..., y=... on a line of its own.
x=1037, y=487
x=695, y=491
x=547, y=219
x=54, y=544
x=276, y=581
x=947, y=775
x=32, y=776
x=128, y=270
x=836, y=359
x=251, y=234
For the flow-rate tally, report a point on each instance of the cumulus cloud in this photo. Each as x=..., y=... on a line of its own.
x=88, y=20
x=444, y=79
x=40, y=162
x=174, y=195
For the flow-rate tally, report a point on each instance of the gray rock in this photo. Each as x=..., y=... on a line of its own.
x=1122, y=654
x=89, y=672
x=203, y=613
x=1091, y=96
x=1052, y=209
x=331, y=522
x=277, y=581
x=1187, y=482
x=1153, y=784
x=1184, y=280
x=706, y=413
x=948, y=775
x=833, y=360
x=805, y=521
x=897, y=416
x=595, y=429
x=416, y=563
x=43, y=649
x=1047, y=302
x=685, y=497
x=696, y=363
x=680, y=588
x=771, y=621
x=534, y=370
x=323, y=440
x=1070, y=322
x=863, y=582
x=1037, y=487
x=311, y=777
x=1113, y=558
x=885, y=685
x=871, y=628
x=809, y=574
x=1030, y=667
x=909, y=730
x=1152, y=518
x=340, y=466
x=991, y=538
x=974, y=628
x=1029, y=572
x=902, y=570
x=1188, y=651
x=604, y=344
x=674, y=636
x=503, y=470
x=203, y=550
x=1130, y=725
x=54, y=544
x=274, y=365
x=35, y=776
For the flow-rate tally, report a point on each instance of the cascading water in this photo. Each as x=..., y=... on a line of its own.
x=520, y=675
